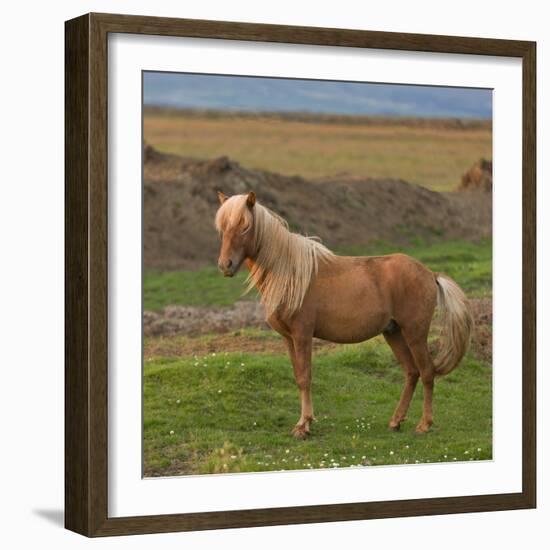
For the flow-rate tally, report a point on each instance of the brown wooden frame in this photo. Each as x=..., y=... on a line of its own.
x=86, y=274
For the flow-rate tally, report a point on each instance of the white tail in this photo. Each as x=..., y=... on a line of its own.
x=457, y=325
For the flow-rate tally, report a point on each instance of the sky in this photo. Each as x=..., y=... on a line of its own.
x=243, y=93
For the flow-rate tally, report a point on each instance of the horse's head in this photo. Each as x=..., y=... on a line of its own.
x=234, y=222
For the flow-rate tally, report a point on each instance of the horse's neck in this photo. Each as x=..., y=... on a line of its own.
x=252, y=265
x=261, y=269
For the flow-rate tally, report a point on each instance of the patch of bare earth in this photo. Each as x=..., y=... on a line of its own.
x=482, y=340
x=237, y=341
x=195, y=321
x=180, y=331
x=183, y=331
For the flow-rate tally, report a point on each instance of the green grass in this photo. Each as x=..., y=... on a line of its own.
x=204, y=287
x=234, y=412
x=470, y=264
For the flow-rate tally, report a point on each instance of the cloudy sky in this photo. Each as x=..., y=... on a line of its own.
x=279, y=94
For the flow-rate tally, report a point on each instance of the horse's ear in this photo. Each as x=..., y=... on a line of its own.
x=251, y=199
x=222, y=197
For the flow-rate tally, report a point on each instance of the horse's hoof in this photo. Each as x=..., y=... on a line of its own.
x=394, y=426
x=300, y=432
x=422, y=428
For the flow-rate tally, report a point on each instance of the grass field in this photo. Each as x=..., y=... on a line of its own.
x=233, y=411
x=470, y=264
x=434, y=157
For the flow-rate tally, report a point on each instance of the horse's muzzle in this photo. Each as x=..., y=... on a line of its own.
x=227, y=268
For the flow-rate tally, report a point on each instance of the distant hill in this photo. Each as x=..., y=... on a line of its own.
x=443, y=123
x=192, y=91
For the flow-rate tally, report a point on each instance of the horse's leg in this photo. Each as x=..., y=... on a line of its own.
x=402, y=353
x=302, y=372
x=418, y=345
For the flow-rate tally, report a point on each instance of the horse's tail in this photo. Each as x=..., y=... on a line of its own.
x=457, y=325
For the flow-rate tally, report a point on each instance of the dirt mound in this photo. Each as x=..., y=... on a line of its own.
x=180, y=203
x=478, y=178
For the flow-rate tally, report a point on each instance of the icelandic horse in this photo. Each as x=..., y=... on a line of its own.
x=308, y=291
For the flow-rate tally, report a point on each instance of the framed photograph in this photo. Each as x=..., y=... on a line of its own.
x=300, y=275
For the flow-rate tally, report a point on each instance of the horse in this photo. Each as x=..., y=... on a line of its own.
x=308, y=291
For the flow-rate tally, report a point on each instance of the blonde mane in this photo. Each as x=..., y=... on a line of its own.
x=284, y=262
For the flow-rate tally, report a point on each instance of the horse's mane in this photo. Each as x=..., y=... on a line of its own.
x=285, y=262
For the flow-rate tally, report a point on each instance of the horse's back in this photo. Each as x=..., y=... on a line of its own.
x=381, y=271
